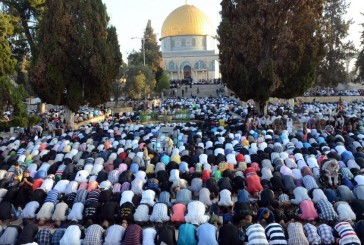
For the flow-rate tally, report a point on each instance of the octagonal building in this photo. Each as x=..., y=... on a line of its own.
x=188, y=45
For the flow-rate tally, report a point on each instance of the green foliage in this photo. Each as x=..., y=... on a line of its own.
x=140, y=82
x=153, y=55
x=27, y=14
x=78, y=55
x=20, y=121
x=163, y=83
x=33, y=120
x=135, y=58
x=270, y=48
x=13, y=97
x=360, y=61
x=332, y=70
x=7, y=62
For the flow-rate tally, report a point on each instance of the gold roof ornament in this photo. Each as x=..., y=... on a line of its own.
x=187, y=20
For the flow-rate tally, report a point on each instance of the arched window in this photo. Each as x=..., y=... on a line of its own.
x=200, y=65
x=171, y=66
x=212, y=66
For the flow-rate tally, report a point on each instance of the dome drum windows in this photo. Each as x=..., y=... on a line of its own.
x=200, y=65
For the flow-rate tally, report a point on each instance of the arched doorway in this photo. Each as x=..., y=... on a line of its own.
x=187, y=71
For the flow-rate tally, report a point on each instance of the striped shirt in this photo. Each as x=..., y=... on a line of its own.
x=93, y=196
x=52, y=196
x=133, y=235
x=80, y=196
x=275, y=234
x=347, y=234
x=256, y=235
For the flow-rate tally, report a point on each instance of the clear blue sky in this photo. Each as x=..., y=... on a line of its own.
x=130, y=17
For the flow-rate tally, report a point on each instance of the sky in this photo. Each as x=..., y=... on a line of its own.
x=130, y=18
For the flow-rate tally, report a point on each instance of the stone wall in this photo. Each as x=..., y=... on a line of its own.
x=326, y=99
x=122, y=109
x=92, y=120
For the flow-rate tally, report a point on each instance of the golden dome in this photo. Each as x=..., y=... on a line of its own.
x=186, y=20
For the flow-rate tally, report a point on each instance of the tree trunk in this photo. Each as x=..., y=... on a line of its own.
x=116, y=104
x=28, y=35
x=257, y=108
x=69, y=116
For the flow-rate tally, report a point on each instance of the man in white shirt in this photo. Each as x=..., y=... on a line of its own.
x=126, y=196
x=71, y=187
x=344, y=211
x=59, y=213
x=47, y=184
x=29, y=210
x=149, y=235
x=71, y=236
x=142, y=213
x=76, y=211
x=225, y=198
x=300, y=194
x=266, y=173
x=318, y=194
x=61, y=185
x=359, y=179
x=114, y=235
x=148, y=197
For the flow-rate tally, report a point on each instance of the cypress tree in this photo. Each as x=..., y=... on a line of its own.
x=270, y=48
x=78, y=55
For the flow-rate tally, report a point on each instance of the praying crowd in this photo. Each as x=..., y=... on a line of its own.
x=218, y=179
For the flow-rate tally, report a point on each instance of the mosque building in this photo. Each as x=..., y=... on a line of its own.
x=189, y=46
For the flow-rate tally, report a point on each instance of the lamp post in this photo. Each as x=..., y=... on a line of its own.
x=143, y=46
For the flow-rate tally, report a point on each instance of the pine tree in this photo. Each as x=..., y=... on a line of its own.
x=78, y=56
x=332, y=70
x=270, y=48
x=153, y=55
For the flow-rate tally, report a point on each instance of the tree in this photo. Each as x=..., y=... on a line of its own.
x=25, y=15
x=7, y=62
x=117, y=86
x=332, y=70
x=28, y=13
x=360, y=61
x=153, y=55
x=163, y=83
x=140, y=82
x=78, y=57
x=270, y=48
